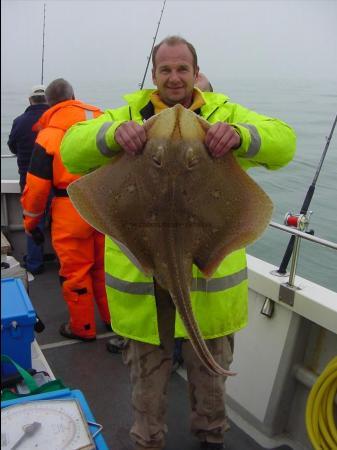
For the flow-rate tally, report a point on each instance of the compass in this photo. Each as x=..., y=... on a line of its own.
x=45, y=424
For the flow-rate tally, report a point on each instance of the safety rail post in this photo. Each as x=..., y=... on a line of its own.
x=294, y=261
x=300, y=222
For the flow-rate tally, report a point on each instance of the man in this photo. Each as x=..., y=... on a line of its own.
x=79, y=247
x=148, y=318
x=21, y=143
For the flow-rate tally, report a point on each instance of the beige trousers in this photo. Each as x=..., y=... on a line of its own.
x=150, y=369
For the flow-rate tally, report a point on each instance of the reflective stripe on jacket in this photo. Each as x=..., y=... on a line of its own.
x=46, y=170
x=220, y=305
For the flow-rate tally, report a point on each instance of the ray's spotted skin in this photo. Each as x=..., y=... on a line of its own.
x=173, y=206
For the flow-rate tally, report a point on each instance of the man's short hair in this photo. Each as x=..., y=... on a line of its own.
x=171, y=41
x=58, y=91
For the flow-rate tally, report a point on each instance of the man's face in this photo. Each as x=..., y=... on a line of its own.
x=174, y=74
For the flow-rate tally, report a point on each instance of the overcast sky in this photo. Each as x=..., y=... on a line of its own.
x=95, y=41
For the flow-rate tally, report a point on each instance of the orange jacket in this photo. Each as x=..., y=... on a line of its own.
x=46, y=170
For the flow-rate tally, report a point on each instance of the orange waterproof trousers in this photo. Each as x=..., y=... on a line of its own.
x=80, y=249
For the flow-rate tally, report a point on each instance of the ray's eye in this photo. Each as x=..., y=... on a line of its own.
x=157, y=156
x=191, y=158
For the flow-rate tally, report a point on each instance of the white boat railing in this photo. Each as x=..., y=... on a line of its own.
x=290, y=285
x=308, y=237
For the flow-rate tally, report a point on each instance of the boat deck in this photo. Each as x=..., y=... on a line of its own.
x=102, y=376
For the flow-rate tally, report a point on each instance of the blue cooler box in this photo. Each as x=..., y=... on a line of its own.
x=17, y=325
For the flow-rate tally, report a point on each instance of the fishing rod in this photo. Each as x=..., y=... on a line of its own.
x=305, y=206
x=153, y=43
x=43, y=34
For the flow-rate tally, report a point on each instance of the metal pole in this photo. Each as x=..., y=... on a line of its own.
x=306, y=236
x=294, y=261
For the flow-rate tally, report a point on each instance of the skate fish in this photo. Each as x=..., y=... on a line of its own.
x=173, y=206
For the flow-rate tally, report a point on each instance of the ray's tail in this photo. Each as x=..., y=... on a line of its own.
x=180, y=295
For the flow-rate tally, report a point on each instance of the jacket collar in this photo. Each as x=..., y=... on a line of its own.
x=142, y=109
x=48, y=115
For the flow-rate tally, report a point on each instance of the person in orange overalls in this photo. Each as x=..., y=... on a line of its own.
x=79, y=247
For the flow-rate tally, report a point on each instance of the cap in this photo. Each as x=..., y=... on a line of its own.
x=37, y=90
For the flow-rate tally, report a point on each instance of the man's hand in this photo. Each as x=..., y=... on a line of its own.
x=131, y=137
x=221, y=138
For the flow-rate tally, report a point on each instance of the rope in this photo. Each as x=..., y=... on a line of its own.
x=319, y=417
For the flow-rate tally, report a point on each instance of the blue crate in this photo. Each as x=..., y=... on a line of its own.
x=66, y=394
x=17, y=325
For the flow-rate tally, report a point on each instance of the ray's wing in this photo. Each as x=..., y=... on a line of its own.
x=117, y=199
x=109, y=200
x=236, y=209
x=227, y=205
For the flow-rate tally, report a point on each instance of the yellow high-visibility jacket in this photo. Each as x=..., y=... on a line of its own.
x=220, y=304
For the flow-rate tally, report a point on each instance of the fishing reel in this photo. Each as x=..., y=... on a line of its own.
x=299, y=221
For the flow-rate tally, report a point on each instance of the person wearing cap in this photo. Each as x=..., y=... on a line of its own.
x=79, y=247
x=21, y=143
